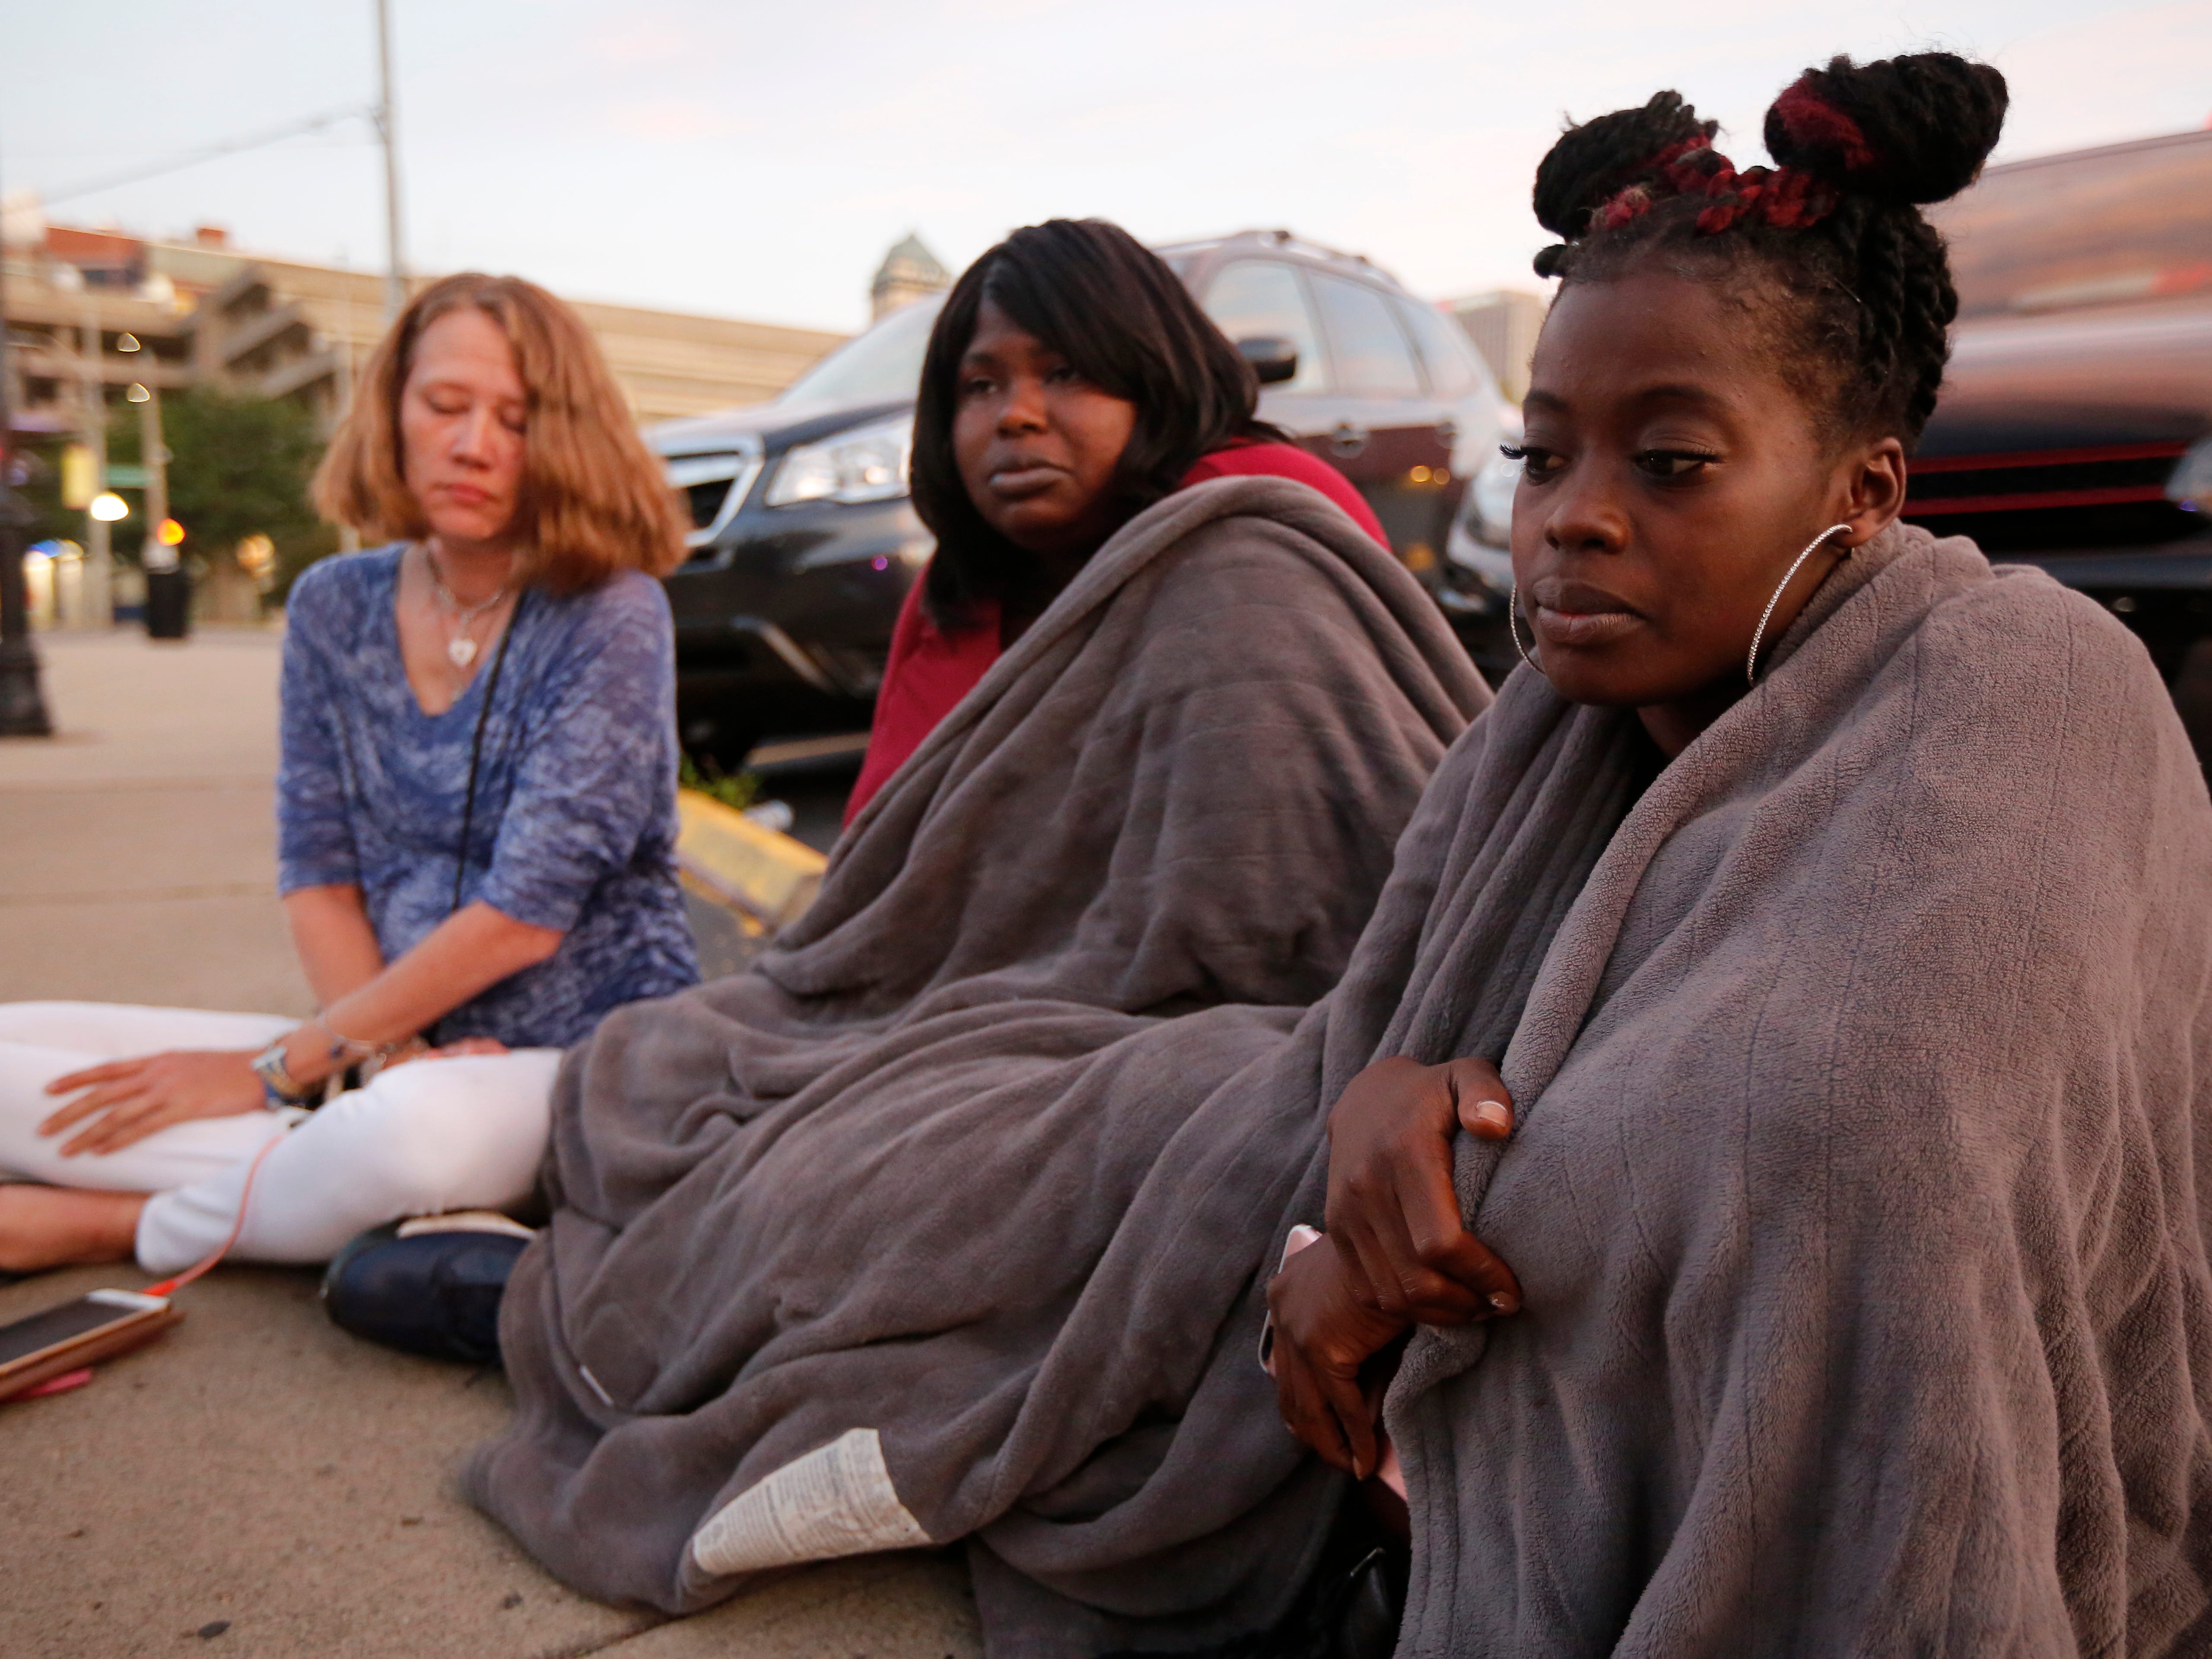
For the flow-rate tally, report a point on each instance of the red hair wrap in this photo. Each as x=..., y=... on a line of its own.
x=1789, y=199
x=1815, y=124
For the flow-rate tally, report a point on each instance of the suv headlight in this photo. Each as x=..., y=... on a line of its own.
x=867, y=463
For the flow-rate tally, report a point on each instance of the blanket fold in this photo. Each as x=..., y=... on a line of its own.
x=1862, y=1061
x=1855, y=1189
x=819, y=1224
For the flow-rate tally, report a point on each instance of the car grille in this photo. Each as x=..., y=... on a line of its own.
x=706, y=502
x=2051, y=497
x=713, y=486
x=2062, y=477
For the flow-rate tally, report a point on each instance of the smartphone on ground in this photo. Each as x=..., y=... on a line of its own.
x=96, y=1325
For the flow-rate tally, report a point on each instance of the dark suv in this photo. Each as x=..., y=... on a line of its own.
x=2075, y=427
x=803, y=543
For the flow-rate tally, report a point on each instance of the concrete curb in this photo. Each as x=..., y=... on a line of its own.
x=766, y=877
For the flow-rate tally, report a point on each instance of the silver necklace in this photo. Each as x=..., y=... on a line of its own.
x=460, y=644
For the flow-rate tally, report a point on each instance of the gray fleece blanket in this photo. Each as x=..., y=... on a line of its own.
x=817, y=1226
x=1862, y=1061
x=1866, y=1082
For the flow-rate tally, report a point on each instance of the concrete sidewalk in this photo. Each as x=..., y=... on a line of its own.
x=258, y=1483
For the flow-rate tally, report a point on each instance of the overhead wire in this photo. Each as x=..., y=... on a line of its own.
x=192, y=159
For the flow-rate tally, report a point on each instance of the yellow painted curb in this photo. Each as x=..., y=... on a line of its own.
x=767, y=878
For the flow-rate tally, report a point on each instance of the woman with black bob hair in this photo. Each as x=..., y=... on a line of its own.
x=1071, y=382
x=1156, y=729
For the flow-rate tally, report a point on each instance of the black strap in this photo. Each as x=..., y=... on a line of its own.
x=475, y=751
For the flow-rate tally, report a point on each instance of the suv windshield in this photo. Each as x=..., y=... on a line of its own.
x=881, y=366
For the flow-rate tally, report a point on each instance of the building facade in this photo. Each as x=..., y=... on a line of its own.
x=98, y=321
x=206, y=314
x=909, y=272
x=1502, y=324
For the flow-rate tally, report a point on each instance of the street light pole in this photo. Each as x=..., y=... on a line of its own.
x=155, y=455
x=395, y=278
x=22, y=705
x=97, y=573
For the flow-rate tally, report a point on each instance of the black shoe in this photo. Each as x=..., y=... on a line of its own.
x=436, y=1293
x=1351, y=1608
x=1358, y=1615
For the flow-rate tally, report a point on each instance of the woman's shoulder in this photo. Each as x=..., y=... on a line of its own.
x=1267, y=458
x=628, y=599
x=1273, y=535
x=623, y=625
x=1983, y=596
x=1275, y=459
x=348, y=573
x=340, y=590
x=2013, y=644
x=1273, y=578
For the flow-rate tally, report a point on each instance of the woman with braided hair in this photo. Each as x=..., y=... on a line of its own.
x=1833, y=908
x=1799, y=977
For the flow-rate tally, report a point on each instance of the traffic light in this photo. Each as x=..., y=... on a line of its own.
x=170, y=533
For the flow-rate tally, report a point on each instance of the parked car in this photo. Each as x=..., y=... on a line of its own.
x=2083, y=444
x=2075, y=429
x=1478, y=569
x=804, y=542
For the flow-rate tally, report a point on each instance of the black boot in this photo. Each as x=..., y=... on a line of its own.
x=436, y=1293
x=1350, y=1608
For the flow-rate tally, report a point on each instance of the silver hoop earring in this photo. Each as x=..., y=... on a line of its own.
x=1751, y=660
x=1513, y=625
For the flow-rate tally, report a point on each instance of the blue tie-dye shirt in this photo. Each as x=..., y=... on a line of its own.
x=574, y=823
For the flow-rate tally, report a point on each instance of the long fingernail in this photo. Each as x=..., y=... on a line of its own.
x=1503, y=1301
x=1494, y=1114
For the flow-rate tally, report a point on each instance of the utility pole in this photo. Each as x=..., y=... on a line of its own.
x=22, y=705
x=97, y=574
x=395, y=278
x=156, y=459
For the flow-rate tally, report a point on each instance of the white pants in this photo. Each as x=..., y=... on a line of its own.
x=466, y=1133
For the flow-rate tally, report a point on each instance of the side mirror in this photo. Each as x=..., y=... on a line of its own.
x=1273, y=359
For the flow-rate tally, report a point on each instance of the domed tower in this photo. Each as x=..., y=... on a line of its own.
x=908, y=272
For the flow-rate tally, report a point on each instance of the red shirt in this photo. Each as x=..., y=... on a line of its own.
x=930, y=671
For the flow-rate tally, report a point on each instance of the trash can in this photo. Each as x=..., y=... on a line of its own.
x=169, y=604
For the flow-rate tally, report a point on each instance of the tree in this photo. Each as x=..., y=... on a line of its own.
x=238, y=466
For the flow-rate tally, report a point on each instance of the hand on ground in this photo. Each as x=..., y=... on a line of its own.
x=132, y=1098
x=1323, y=1334
x=1393, y=1214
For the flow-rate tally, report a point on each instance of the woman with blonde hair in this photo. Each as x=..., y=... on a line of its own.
x=476, y=808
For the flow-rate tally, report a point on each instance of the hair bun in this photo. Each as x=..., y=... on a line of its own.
x=1594, y=162
x=1903, y=130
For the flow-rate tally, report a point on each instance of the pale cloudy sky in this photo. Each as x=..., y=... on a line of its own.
x=755, y=159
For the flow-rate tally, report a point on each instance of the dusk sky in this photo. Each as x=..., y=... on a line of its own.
x=756, y=160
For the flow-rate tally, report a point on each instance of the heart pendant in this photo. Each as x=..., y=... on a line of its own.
x=463, y=651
